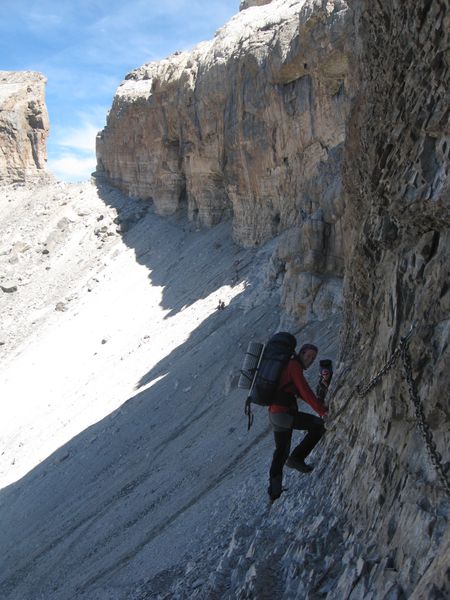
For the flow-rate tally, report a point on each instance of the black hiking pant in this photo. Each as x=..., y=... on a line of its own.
x=283, y=437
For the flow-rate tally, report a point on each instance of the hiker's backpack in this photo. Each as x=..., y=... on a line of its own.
x=265, y=369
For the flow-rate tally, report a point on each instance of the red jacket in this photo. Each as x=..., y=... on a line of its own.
x=292, y=383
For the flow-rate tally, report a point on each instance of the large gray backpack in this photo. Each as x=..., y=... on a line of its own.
x=262, y=367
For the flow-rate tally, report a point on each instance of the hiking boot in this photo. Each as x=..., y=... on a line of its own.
x=298, y=464
x=273, y=497
x=275, y=488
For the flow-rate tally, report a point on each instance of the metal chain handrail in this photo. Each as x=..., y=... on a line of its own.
x=424, y=428
x=379, y=376
x=363, y=391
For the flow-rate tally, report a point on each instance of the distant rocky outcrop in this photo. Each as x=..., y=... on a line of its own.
x=249, y=125
x=249, y=3
x=24, y=126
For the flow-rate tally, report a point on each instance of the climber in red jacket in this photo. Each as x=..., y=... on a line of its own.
x=285, y=417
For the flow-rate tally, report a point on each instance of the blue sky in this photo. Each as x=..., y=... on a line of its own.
x=85, y=48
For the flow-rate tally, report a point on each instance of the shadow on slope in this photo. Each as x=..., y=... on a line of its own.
x=188, y=267
x=150, y=484
x=101, y=505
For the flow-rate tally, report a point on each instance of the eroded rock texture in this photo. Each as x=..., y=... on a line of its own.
x=24, y=126
x=397, y=218
x=249, y=3
x=374, y=522
x=250, y=125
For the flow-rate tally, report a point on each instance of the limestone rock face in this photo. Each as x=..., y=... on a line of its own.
x=249, y=125
x=249, y=3
x=376, y=507
x=397, y=273
x=24, y=126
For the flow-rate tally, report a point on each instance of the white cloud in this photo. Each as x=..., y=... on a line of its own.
x=72, y=153
x=72, y=167
x=78, y=138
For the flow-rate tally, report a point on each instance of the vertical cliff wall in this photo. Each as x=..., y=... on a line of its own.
x=249, y=125
x=397, y=200
x=372, y=522
x=24, y=126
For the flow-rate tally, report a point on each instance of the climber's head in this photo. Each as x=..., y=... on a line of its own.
x=307, y=355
